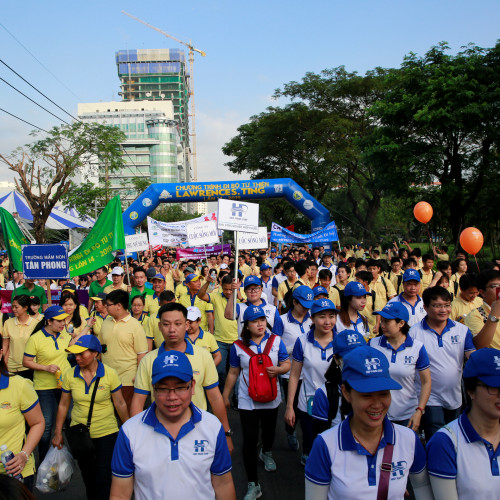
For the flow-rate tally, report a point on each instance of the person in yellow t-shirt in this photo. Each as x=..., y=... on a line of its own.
x=325, y=281
x=193, y=284
x=243, y=266
x=467, y=299
x=427, y=274
x=78, y=386
x=384, y=291
x=100, y=312
x=365, y=277
x=117, y=279
x=19, y=406
x=16, y=332
x=199, y=337
x=395, y=275
x=166, y=270
x=45, y=354
x=125, y=341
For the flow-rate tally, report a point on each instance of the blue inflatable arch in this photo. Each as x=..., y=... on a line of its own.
x=233, y=190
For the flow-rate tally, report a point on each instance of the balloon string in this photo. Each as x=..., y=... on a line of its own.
x=430, y=239
x=479, y=270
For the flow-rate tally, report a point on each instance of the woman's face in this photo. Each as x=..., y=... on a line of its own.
x=324, y=321
x=56, y=325
x=257, y=327
x=18, y=310
x=369, y=408
x=358, y=303
x=488, y=404
x=390, y=327
x=69, y=306
x=462, y=266
x=137, y=307
x=85, y=358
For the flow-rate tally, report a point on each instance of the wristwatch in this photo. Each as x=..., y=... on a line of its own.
x=493, y=319
x=229, y=433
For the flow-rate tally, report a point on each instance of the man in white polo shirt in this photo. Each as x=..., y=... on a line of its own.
x=173, y=446
x=410, y=297
x=447, y=343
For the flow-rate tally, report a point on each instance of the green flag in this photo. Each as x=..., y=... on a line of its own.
x=14, y=239
x=106, y=236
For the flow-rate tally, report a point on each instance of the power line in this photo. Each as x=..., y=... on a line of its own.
x=39, y=128
x=39, y=62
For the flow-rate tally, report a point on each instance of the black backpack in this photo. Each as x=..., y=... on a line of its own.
x=288, y=297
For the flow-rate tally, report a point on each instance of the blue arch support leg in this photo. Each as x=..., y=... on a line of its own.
x=234, y=190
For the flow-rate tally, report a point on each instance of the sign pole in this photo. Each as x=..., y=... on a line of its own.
x=236, y=251
x=49, y=292
x=126, y=267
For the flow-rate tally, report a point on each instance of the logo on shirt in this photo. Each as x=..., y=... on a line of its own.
x=455, y=339
x=199, y=447
x=5, y=405
x=409, y=360
x=398, y=469
x=372, y=365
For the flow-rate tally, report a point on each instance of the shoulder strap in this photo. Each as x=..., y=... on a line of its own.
x=269, y=345
x=385, y=286
x=246, y=349
x=333, y=401
x=385, y=472
x=92, y=399
x=287, y=285
x=453, y=437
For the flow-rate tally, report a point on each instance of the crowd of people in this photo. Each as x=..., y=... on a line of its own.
x=388, y=361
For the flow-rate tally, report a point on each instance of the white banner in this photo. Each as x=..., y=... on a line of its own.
x=235, y=215
x=172, y=234
x=202, y=233
x=250, y=241
x=137, y=242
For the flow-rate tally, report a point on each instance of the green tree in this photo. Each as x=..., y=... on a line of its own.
x=47, y=167
x=439, y=124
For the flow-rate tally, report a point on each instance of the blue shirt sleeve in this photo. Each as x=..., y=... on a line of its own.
x=319, y=463
x=321, y=405
x=441, y=456
x=423, y=359
x=234, y=359
x=122, y=463
x=282, y=353
x=469, y=344
x=222, y=459
x=419, y=458
x=275, y=283
x=278, y=324
x=298, y=352
x=237, y=311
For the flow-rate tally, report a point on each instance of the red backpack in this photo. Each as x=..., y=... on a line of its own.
x=261, y=388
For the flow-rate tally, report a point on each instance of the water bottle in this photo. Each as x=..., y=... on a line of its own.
x=7, y=456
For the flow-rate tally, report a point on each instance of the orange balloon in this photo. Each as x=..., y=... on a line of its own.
x=423, y=212
x=471, y=240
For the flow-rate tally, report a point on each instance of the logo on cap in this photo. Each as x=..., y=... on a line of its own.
x=496, y=359
x=309, y=296
x=372, y=365
x=256, y=309
x=170, y=359
x=352, y=339
x=324, y=303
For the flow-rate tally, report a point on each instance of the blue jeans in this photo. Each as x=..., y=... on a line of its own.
x=223, y=366
x=436, y=417
x=49, y=401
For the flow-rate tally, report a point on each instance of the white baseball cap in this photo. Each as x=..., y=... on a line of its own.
x=117, y=271
x=194, y=313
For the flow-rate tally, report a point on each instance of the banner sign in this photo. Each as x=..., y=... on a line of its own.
x=200, y=252
x=5, y=298
x=172, y=234
x=45, y=262
x=280, y=234
x=14, y=239
x=137, y=242
x=249, y=241
x=238, y=216
x=202, y=233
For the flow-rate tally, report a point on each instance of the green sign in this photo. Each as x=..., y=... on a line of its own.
x=14, y=239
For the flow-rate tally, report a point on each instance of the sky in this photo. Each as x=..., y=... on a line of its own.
x=67, y=50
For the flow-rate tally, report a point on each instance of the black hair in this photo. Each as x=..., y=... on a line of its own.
x=139, y=270
x=456, y=263
x=325, y=274
x=417, y=252
x=427, y=256
x=443, y=265
x=245, y=332
x=118, y=297
x=227, y=280
x=407, y=262
x=301, y=267
x=484, y=277
x=345, y=406
x=364, y=276
x=140, y=297
x=359, y=263
x=434, y=293
x=373, y=263
x=172, y=306
x=84, y=277
x=345, y=300
x=12, y=489
x=312, y=263
x=167, y=296
x=288, y=265
x=76, y=320
x=470, y=385
x=395, y=259
x=467, y=281
x=24, y=301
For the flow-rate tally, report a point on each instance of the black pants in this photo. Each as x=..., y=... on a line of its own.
x=284, y=382
x=96, y=468
x=307, y=426
x=251, y=421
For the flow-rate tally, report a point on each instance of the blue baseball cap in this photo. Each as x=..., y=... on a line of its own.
x=411, y=274
x=158, y=276
x=191, y=277
x=85, y=342
x=485, y=365
x=55, y=312
x=354, y=288
x=263, y=267
x=273, y=250
x=394, y=310
x=346, y=341
x=304, y=295
x=172, y=364
x=252, y=280
x=253, y=312
x=367, y=370
x=320, y=290
x=322, y=305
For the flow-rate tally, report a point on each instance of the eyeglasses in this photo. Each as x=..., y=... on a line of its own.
x=492, y=286
x=441, y=306
x=253, y=290
x=178, y=391
x=492, y=391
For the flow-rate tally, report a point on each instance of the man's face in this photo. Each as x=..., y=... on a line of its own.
x=117, y=279
x=253, y=293
x=315, y=253
x=313, y=272
x=290, y=274
x=100, y=307
x=114, y=310
x=470, y=294
x=438, y=310
x=158, y=285
x=100, y=274
x=173, y=397
x=213, y=261
x=411, y=287
x=428, y=264
x=29, y=282
x=266, y=273
x=173, y=326
x=227, y=290
x=489, y=294
x=396, y=267
x=193, y=326
x=194, y=286
x=374, y=270
x=327, y=260
x=241, y=260
x=140, y=279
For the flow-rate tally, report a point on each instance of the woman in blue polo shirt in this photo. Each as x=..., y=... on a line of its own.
x=352, y=302
x=310, y=358
x=346, y=460
x=463, y=456
x=253, y=414
x=407, y=359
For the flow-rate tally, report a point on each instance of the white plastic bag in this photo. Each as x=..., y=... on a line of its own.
x=55, y=472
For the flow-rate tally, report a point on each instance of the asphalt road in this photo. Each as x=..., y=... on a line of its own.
x=286, y=483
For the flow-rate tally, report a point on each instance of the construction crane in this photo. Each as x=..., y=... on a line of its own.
x=192, y=50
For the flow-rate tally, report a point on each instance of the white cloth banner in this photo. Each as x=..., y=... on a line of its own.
x=202, y=233
x=137, y=242
x=250, y=241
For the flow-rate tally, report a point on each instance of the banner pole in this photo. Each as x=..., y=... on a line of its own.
x=236, y=252
x=126, y=268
